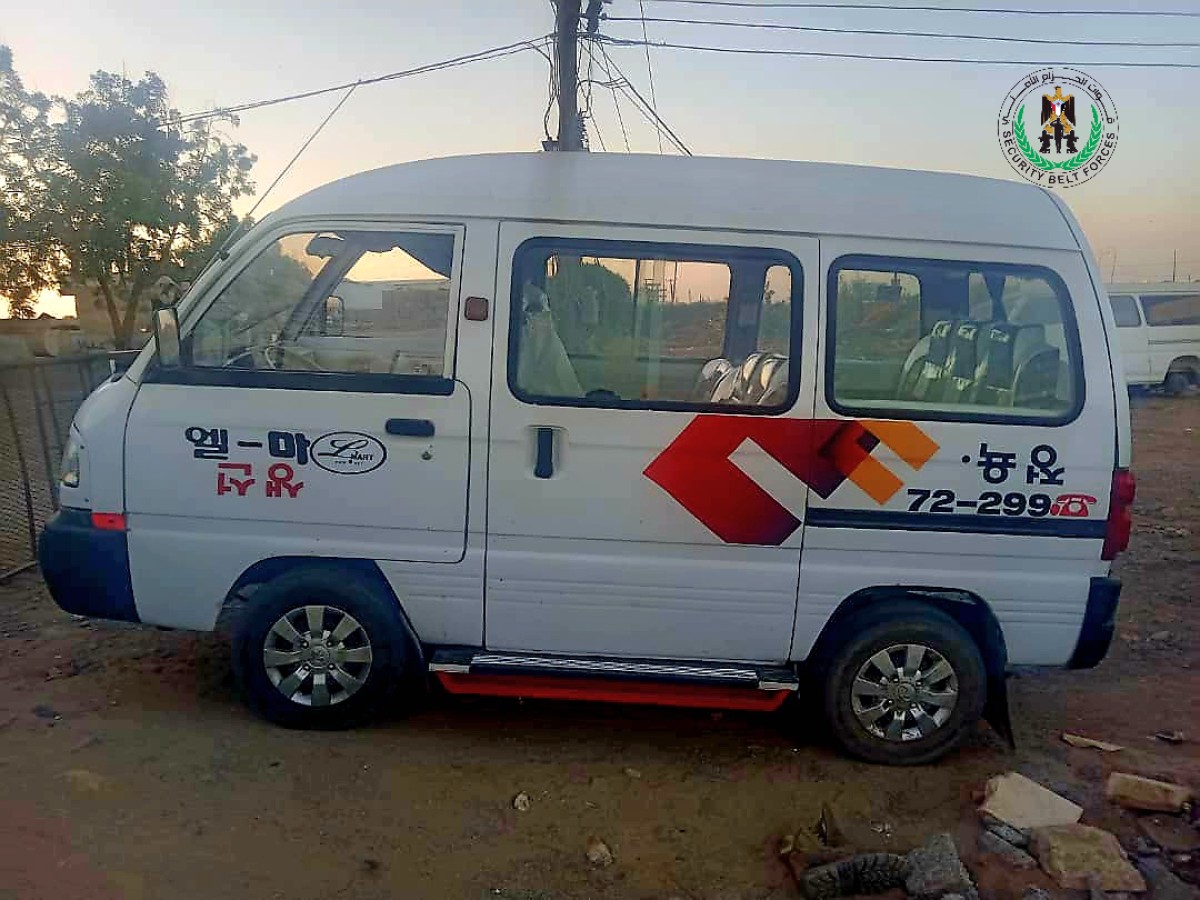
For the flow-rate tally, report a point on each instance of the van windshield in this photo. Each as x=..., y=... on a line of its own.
x=347, y=301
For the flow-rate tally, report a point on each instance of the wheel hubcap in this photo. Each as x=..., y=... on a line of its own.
x=904, y=692
x=317, y=655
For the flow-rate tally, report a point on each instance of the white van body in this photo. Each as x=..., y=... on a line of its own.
x=683, y=496
x=1158, y=327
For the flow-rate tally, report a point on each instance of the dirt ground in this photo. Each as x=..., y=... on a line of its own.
x=131, y=768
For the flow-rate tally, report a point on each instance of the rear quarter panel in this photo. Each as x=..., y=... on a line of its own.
x=1035, y=584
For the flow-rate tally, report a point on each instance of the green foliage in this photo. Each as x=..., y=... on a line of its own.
x=252, y=308
x=871, y=328
x=27, y=262
x=591, y=305
x=120, y=198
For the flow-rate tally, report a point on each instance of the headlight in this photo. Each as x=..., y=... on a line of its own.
x=69, y=476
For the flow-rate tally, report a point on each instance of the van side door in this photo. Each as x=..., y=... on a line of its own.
x=639, y=499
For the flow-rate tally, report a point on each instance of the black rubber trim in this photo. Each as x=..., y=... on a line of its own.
x=1099, y=623
x=821, y=517
x=86, y=568
x=410, y=427
x=361, y=382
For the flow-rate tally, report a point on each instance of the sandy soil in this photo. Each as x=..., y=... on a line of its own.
x=131, y=768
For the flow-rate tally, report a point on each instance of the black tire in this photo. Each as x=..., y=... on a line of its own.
x=875, y=629
x=394, y=654
x=1176, y=383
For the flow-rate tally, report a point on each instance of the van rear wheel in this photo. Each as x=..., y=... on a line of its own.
x=904, y=685
x=1176, y=383
x=322, y=647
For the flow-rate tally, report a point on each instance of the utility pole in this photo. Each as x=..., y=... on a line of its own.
x=1174, y=263
x=570, y=136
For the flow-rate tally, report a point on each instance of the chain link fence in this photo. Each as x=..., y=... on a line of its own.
x=37, y=402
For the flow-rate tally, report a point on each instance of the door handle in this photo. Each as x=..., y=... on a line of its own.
x=410, y=427
x=543, y=466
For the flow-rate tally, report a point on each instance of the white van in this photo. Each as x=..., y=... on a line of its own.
x=640, y=429
x=1158, y=333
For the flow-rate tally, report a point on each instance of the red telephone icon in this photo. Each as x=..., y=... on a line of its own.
x=1072, y=506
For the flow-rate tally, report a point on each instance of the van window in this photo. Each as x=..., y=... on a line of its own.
x=1171, y=309
x=346, y=301
x=950, y=340
x=1125, y=311
x=613, y=324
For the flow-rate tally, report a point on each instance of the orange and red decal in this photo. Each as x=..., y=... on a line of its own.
x=696, y=469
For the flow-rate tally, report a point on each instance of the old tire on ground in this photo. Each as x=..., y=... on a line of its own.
x=323, y=647
x=901, y=684
x=1176, y=383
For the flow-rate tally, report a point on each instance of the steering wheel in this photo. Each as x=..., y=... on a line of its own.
x=276, y=355
x=258, y=353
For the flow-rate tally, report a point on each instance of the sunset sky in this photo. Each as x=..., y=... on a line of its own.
x=905, y=114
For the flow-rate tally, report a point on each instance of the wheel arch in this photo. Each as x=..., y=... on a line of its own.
x=1189, y=364
x=968, y=609
x=272, y=567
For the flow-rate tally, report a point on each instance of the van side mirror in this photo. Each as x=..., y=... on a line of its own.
x=335, y=316
x=166, y=336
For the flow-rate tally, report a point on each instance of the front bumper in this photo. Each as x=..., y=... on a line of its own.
x=87, y=568
x=1099, y=623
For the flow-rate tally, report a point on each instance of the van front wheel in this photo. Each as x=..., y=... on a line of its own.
x=321, y=648
x=904, y=686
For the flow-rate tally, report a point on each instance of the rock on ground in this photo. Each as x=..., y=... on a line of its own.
x=935, y=870
x=1018, y=837
x=1171, y=834
x=598, y=853
x=1071, y=853
x=1023, y=803
x=1164, y=883
x=1013, y=856
x=1136, y=792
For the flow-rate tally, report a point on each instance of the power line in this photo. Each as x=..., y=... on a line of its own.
x=649, y=69
x=639, y=102
x=761, y=51
x=492, y=53
x=748, y=4
x=249, y=217
x=774, y=26
x=612, y=86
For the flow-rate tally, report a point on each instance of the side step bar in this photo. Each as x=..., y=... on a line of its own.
x=612, y=680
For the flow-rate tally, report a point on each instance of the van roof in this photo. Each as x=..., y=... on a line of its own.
x=703, y=192
x=1155, y=287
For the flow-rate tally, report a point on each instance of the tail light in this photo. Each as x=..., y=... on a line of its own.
x=1120, y=514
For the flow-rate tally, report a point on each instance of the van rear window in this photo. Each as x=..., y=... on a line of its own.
x=937, y=339
x=653, y=326
x=1172, y=309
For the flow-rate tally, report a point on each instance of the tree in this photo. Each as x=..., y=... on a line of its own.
x=128, y=196
x=27, y=259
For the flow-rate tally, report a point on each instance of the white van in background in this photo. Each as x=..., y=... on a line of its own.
x=629, y=428
x=1159, y=332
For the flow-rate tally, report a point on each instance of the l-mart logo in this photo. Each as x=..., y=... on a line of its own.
x=695, y=468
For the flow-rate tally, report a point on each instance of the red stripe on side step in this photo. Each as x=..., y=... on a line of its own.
x=613, y=691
